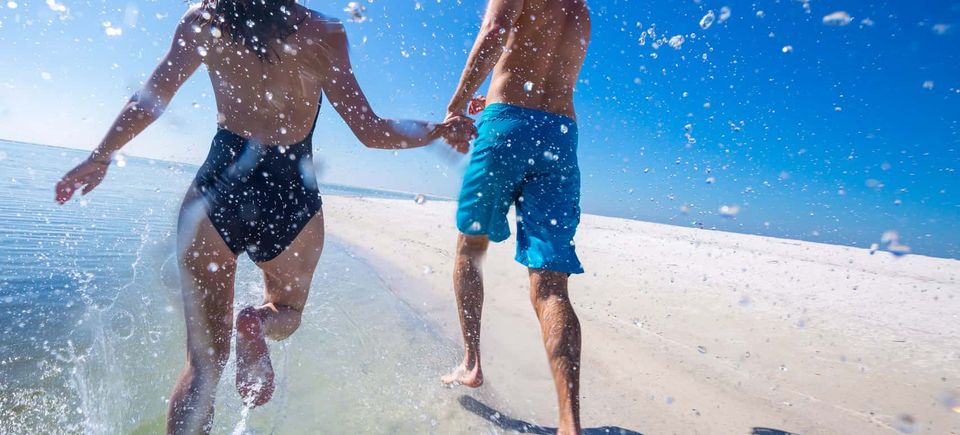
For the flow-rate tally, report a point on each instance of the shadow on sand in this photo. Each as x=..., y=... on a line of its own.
x=520, y=426
x=768, y=431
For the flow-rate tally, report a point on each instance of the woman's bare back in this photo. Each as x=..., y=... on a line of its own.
x=273, y=101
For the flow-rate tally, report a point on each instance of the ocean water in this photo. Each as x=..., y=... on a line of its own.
x=92, y=336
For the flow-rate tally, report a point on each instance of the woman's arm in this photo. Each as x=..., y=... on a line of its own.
x=151, y=100
x=348, y=99
x=141, y=110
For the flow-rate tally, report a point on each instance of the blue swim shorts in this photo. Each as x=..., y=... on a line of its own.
x=528, y=158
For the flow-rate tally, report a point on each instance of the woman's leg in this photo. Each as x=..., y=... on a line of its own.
x=207, y=269
x=287, y=279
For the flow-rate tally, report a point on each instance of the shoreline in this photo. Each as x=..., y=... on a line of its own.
x=362, y=191
x=693, y=331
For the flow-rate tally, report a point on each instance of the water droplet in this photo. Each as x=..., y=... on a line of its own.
x=676, y=41
x=940, y=29
x=553, y=222
x=181, y=42
x=724, y=14
x=729, y=210
x=420, y=199
x=707, y=20
x=12, y=4
x=898, y=249
x=215, y=32
x=528, y=86
x=787, y=48
x=564, y=129
x=356, y=11
x=213, y=267
x=110, y=30
x=45, y=75
x=928, y=85
x=889, y=236
x=838, y=18
x=283, y=130
x=202, y=51
x=475, y=226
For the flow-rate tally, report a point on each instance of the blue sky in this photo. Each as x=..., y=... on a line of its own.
x=830, y=133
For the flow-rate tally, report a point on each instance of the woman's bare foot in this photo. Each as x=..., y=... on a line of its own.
x=254, y=371
x=471, y=377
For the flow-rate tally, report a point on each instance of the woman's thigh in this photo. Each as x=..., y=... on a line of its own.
x=207, y=270
x=288, y=276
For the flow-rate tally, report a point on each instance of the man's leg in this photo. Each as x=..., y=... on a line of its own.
x=468, y=285
x=288, y=278
x=561, y=337
x=207, y=268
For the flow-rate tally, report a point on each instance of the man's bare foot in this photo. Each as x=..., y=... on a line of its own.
x=472, y=377
x=254, y=371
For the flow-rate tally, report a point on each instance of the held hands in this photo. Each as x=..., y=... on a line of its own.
x=457, y=130
x=85, y=177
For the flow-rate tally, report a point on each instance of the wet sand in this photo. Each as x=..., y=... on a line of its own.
x=361, y=362
x=694, y=331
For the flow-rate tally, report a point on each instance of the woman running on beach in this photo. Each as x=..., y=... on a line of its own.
x=269, y=63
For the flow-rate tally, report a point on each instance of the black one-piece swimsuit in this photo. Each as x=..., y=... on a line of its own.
x=259, y=197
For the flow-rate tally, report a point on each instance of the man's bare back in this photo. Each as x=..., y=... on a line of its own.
x=535, y=49
x=543, y=57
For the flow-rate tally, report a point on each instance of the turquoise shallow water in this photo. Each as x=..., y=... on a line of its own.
x=93, y=332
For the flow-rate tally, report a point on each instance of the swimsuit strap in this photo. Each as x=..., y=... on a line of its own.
x=314, y=126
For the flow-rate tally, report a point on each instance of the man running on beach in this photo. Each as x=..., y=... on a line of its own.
x=525, y=154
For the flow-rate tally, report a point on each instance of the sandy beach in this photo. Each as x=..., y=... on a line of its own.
x=695, y=331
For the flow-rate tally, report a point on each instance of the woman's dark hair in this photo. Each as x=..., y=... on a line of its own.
x=254, y=23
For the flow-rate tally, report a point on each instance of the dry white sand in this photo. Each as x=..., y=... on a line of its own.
x=696, y=331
